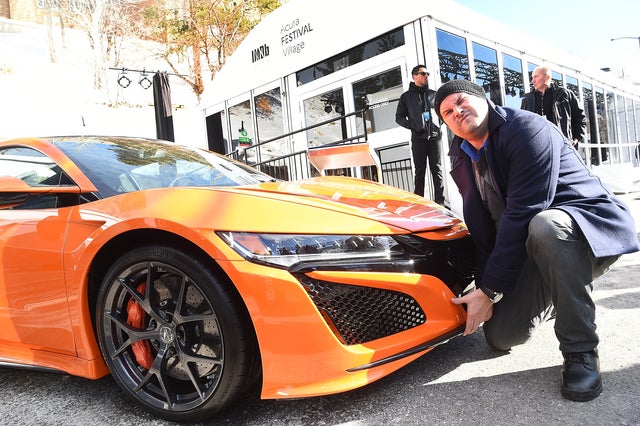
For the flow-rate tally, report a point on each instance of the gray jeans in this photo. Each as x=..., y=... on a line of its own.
x=556, y=281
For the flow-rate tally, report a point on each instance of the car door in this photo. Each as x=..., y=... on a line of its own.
x=34, y=312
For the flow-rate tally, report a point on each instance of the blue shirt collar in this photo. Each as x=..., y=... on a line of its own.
x=471, y=151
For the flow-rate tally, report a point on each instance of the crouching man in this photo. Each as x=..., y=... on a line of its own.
x=544, y=229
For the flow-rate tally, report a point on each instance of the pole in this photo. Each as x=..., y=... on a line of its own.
x=620, y=38
x=630, y=38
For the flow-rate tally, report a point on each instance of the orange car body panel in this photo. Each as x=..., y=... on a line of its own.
x=45, y=318
x=318, y=356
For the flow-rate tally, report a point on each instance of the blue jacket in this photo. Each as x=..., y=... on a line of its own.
x=535, y=168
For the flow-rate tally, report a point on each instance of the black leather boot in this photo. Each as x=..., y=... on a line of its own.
x=581, y=376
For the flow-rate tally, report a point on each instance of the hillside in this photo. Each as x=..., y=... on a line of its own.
x=40, y=98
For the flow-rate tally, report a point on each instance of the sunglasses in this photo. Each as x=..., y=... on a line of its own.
x=422, y=73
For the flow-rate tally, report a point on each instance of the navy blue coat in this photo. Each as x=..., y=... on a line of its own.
x=535, y=168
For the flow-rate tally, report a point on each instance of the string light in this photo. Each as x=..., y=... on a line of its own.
x=123, y=80
x=145, y=82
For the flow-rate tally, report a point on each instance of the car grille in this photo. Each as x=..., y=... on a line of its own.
x=361, y=314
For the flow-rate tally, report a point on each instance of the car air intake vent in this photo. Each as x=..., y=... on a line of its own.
x=360, y=314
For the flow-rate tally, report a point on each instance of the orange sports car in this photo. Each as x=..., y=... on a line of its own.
x=191, y=278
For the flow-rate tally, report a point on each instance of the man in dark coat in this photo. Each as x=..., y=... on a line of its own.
x=544, y=229
x=558, y=104
x=415, y=112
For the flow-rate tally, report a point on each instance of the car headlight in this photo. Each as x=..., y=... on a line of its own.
x=285, y=250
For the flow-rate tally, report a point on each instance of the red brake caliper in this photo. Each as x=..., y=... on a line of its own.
x=135, y=318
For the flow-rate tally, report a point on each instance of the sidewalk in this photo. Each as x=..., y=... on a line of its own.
x=522, y=387
x=633, y=201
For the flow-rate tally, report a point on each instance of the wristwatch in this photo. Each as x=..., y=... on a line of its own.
x=494, y=296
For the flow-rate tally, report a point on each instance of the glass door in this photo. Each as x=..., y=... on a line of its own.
x=325, y=112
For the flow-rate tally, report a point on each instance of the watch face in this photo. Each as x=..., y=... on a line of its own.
x=496, y=298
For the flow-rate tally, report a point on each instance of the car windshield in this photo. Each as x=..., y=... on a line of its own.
x=117, y=165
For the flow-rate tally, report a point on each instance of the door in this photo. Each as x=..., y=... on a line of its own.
x=34, y=311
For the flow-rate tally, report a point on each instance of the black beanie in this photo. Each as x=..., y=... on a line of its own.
x=456, y=86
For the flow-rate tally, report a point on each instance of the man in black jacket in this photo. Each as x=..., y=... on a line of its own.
x=415, y=112
x=558, y=104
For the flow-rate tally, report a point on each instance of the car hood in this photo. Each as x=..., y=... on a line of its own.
x=362, y=198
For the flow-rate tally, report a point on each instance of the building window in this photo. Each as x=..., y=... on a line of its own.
x=270, y=120
x=572, y=84
x=242, y=133
x=634, y=140
x=513, y=80
x=486, y=67
x=378, y=95
x=601, y=114
x=324, y=107
x=452, y=56
x=556, y=78
x=622, y=121
x=634, y=122
x=612, y=125
x=530, y=67
x=384, y=43
x=597, y=156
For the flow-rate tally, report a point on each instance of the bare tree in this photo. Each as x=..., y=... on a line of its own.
x=104, y=22
x=52, y=11
x=52, y=46
x=193, y=31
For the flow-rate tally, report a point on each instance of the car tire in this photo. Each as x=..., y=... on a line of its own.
x=174, y=336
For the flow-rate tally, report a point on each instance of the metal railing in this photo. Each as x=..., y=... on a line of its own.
x=398, y=173
x=296, y=165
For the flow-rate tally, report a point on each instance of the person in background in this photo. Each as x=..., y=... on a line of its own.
x=543, y=226
x=415, y=112
x=559, y=105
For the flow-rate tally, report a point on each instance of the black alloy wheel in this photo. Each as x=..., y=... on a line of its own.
x=173, y=335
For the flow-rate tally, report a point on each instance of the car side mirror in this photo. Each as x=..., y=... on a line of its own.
x=14, y=191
